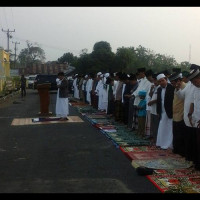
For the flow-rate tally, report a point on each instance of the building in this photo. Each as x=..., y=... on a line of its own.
x=4, y=67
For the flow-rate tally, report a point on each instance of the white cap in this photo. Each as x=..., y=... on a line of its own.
x=99, y=73
x=160, y=76
x=86, y=76
x=106, y=75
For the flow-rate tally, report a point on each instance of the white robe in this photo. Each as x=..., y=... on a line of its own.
x=76, y=90
x=165, y=134
x=186, y=93
x=88, y=89
x=62, y=106
x=144, y=85
x=195, y=100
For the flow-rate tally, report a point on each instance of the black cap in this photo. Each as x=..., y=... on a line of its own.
x=194, y=66
x=175, y=76
x=193, y=74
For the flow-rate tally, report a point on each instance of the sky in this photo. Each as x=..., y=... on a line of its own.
x=170, y=31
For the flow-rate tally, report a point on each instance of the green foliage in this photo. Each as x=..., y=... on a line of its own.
x=126, y=59
x=31, y=55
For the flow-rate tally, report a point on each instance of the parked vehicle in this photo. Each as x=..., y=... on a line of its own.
x=46, y=78
x=31, y=79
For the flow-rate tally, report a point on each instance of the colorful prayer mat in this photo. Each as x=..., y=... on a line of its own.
x=96, y=116
x=139, y=148
x=162, y=163
x=167, y=172
x=176, y=183
x=150, y=155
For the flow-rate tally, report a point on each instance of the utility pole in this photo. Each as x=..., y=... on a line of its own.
x=8, y=36
x=15, y=52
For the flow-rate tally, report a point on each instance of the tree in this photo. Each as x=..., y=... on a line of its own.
x=31, y=54
x=124, y=58
x=68, y=58
x=102, y=57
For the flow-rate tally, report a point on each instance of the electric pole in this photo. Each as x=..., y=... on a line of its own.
x=8, y=36
x=15, y=52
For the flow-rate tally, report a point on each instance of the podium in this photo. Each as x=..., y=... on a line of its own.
x=43, y=90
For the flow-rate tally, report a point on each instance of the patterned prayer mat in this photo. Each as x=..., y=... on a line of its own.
x=176, y=183
x=93, y=116
x=167, y=172
x=140, y=149
x=163, y=163
x=28, y=121
x=150, y=155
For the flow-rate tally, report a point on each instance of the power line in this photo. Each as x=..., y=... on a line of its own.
x=8, y=36
x=48, y=46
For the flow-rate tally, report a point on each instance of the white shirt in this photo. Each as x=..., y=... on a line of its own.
x=187, y=94
x=196, y=101
x=154, y=97
x=144, y=85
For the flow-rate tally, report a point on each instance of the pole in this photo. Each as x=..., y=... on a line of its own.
x=8, y=37
x=15, y=52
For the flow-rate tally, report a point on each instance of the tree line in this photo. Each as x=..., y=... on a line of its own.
x=126, y=59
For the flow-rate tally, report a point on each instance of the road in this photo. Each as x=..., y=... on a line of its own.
x=61, y=158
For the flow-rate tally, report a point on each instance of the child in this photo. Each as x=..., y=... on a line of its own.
x=141, y=113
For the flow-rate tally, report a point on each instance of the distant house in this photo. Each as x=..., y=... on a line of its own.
x=4, y=66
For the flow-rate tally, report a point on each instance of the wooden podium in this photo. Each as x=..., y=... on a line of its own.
x=43, y=90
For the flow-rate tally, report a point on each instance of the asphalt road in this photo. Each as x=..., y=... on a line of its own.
x=61, y=158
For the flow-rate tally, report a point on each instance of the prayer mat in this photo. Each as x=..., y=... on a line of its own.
x=96, y=116
x=140, y=149
x=167, y=172
x=46, y=119
x=164, y=163
x=28, y=121
x=176, y=183
x=150, y=155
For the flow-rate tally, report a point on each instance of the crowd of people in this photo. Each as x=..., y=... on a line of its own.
x=163, y=107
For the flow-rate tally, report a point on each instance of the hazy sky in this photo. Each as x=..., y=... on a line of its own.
x=166, y=30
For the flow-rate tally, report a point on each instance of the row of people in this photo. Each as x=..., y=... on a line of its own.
x=163, y=107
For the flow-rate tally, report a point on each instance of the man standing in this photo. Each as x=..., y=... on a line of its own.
x=62, y=104
x=23, y=86
x=194, y=112
x=144, y=85
x=165, y=96
x=178, y=112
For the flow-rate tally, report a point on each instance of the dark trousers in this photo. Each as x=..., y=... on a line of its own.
x=130, y=112
x=118, y=110
x=197, y=159
x=190, y=143
x=126, y=112
x=179, y=137
x=154, y=126
x=111, y=107
x=23, y=91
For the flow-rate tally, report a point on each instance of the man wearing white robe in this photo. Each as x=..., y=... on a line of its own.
x=62, y=103
x=165, y=96
x=144, y=85
x=75, y=86
x=88, y=89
